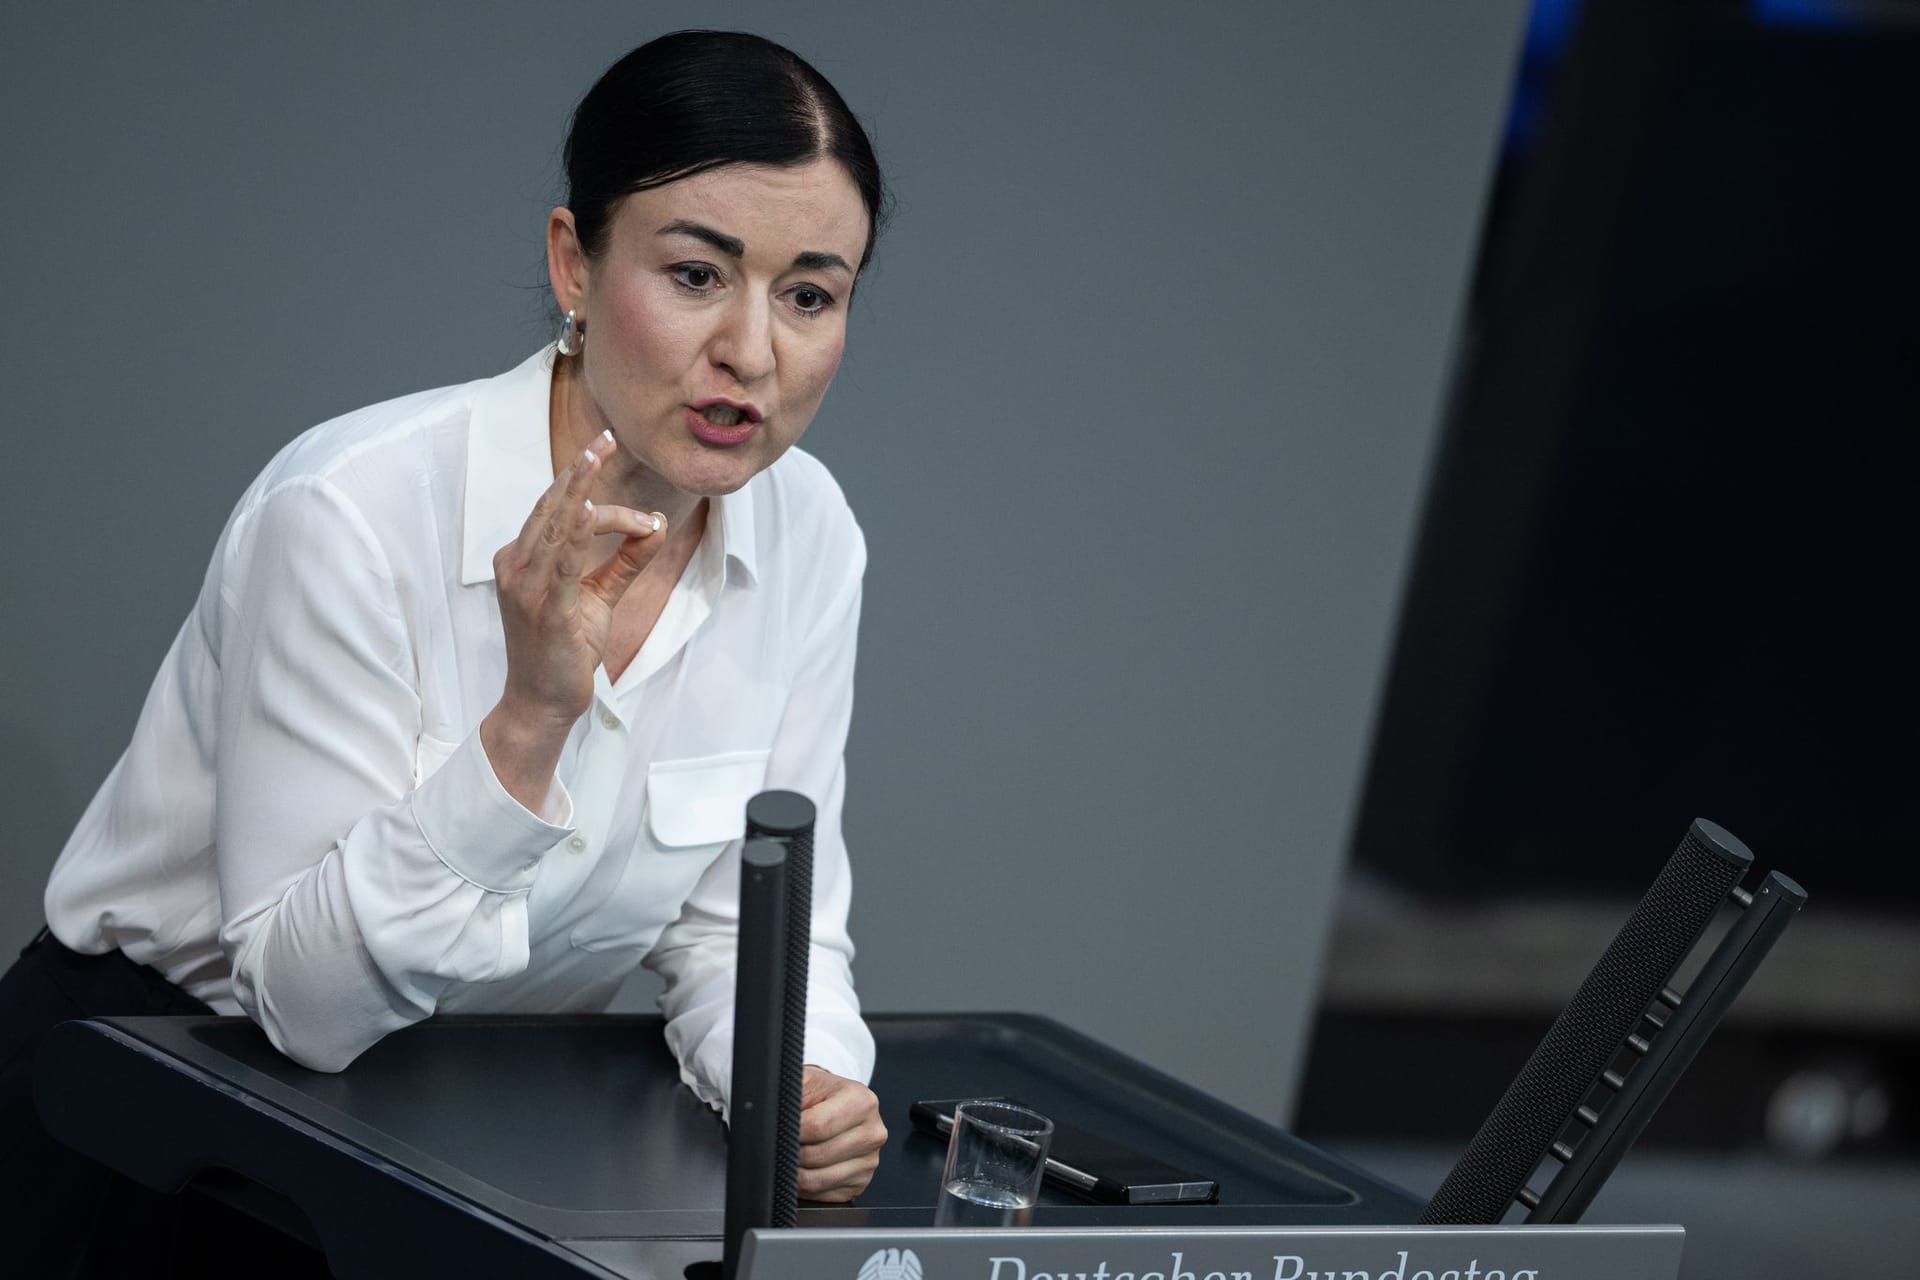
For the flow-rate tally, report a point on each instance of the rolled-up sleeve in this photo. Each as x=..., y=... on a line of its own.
x=355, y=884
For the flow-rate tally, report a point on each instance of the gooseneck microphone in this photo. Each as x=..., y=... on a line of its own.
x=787, y=817
x=1577, y=1048
x=1771, y=908
x=759, y=994
x=770, y=1018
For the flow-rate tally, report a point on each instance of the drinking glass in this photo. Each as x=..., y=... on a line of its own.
x=996, y=1156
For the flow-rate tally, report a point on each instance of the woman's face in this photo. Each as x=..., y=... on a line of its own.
x=714, y=317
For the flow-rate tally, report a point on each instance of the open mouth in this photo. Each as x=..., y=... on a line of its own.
x=723, y=413
x=720, y=423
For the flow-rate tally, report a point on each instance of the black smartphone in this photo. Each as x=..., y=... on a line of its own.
x=1096, y=1167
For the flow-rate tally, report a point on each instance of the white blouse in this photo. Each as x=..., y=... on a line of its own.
x=306, y=828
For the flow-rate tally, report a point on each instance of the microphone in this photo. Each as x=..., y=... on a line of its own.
x=787, y=817
x=1581, y=1042
x=759, y=991
x=770, y=1018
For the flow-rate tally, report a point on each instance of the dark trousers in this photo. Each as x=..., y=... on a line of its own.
x=61, y=1213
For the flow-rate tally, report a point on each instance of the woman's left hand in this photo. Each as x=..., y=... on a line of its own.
x=840, y=1136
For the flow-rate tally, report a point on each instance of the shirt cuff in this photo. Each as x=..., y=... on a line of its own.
x=479, y=830
x=826, y=1050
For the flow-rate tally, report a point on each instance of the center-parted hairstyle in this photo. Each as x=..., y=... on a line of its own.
x=698, y=100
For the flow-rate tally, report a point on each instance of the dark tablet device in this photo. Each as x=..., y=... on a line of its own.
x=1094, y=1166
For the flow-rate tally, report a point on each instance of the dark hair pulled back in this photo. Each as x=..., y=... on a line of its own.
x=698, y=100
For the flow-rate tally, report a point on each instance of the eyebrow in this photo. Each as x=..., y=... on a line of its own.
x=735, y=247
x=814, y=260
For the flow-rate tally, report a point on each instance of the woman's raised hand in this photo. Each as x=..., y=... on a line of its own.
x=557, y=612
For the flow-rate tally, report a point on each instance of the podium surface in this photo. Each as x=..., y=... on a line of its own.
x=567, y=1146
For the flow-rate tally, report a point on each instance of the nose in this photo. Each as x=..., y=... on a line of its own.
x=743, y=342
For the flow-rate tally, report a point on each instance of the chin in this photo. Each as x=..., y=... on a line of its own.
x=716, y=489
x=717, y=477
x=720, y=471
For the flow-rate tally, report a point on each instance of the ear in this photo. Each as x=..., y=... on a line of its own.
x=566, y=260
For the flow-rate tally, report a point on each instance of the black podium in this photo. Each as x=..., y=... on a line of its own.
x=567, y=1147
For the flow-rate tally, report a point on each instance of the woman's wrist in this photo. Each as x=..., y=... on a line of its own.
x=524, y=747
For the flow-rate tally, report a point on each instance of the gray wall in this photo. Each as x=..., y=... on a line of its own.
x=1137, y=406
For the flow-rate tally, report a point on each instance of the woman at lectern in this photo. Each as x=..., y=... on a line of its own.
x=479, y=680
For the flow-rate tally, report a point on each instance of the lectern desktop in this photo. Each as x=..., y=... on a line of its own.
x=557, y=1148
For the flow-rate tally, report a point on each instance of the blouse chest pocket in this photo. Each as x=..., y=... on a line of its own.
x=695, y=809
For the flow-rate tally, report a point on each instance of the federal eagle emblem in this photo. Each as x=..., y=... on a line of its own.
x=891, y=1264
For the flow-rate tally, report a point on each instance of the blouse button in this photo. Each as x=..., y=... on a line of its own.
x=609, y=719
x=578, y=844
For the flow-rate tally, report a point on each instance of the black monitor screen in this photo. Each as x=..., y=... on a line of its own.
x=1705, y=605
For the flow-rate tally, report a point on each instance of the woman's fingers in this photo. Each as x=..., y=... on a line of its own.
x=553, y=642
x=839, y=1182
x=831, y=1105
x=556, y=518
x=863, y=1141
x=627, y=521
x=840, y=1136
x=643, y=534
x=571, y=559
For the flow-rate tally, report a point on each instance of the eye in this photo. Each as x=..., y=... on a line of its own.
x=696, y=276
x=810, y=301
